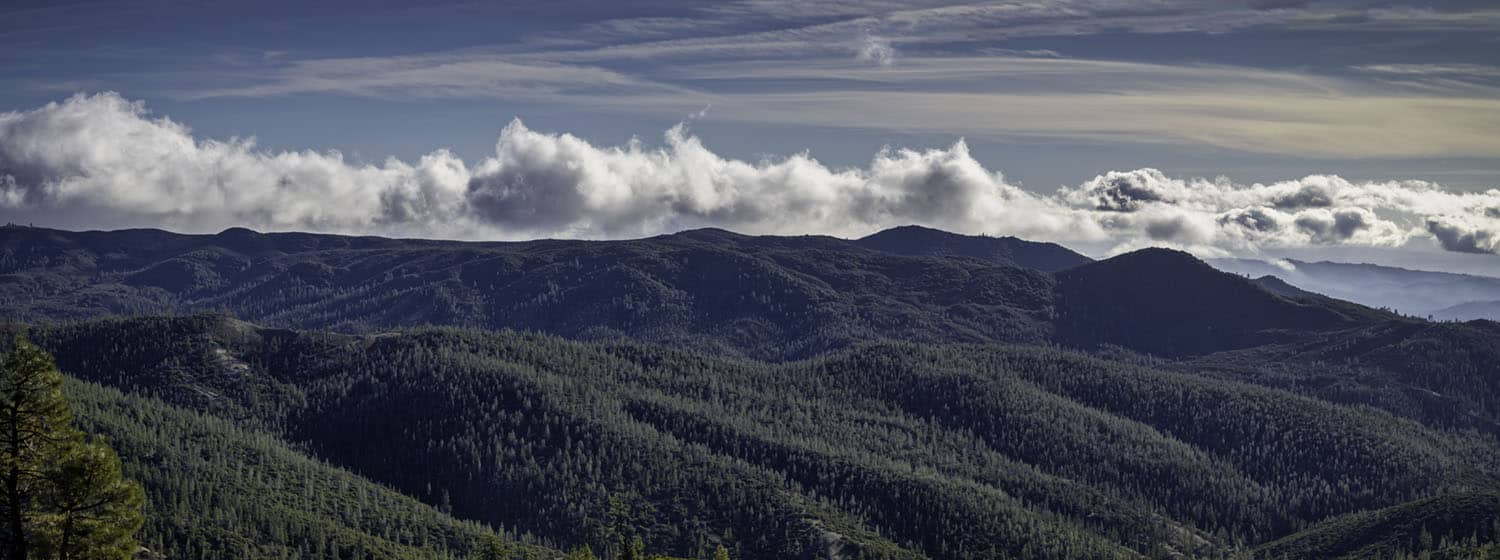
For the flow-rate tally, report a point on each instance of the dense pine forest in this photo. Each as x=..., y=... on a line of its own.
x=914, y=394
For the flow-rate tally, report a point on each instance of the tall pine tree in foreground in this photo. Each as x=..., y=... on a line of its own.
x=62, y=497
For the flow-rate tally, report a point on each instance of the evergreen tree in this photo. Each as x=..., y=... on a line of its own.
x=493, y=549
x=34, y=424
x=636, y=550
x=63, y=497
x=90, y=511
x=581, y=553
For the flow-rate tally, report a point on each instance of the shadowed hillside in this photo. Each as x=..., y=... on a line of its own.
x=1168, y=302
x=764, y=297
x=1456, y=526
x=711, y=289
x=917, y=240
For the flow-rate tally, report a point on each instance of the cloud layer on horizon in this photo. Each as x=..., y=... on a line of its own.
x=102, y=161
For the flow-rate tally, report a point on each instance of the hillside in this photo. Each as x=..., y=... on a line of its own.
x=917, y=240
x=762, y=297
x=1442, y=374
x=1456, y=526
x=261, y=498
x=767, y=297
x=890, y=450
x=1167, y=302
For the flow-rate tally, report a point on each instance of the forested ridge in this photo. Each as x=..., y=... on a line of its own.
x=914, y=394
x=767, y=297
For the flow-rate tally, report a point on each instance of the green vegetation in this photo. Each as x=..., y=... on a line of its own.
x=888, y=450
x=910, y=395
x=1462, y=525
x=62, y=496
x=214, y=490
x=765, y=297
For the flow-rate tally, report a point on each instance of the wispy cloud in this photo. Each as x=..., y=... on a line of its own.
x=1262, y=111
x=819, y=28
x=1479, y=70
x=1345, y=127
x=465, y=74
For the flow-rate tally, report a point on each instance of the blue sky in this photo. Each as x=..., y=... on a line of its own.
x=607, y=71
x=1047, y=94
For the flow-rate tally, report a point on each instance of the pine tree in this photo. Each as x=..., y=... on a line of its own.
x=63, y=497
x=34, y=424
x=721, y=553
x=636, y=550
x=89, y=510
x=493, y=549
x=581, y=553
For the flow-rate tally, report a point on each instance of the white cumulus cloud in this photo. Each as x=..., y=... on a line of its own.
x=102, y=161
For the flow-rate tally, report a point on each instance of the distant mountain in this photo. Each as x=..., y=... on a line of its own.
x=713, y=289
x=1168, y=302
x=762, y=296
x=917, y=240
x=1469, y=311
x=1421, y=293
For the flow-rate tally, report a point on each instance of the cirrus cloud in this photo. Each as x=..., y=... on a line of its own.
x=104, y=161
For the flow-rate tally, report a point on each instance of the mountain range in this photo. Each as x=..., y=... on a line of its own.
x=912, y=394
x=1442, y=296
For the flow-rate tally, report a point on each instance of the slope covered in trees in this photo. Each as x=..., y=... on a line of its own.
x=1463, y=525
x=1443, y=374
x=915, y=394
x=763, y=297
x=887, y=450
x=215, y=490
x=711, y=289
x=1167, y=302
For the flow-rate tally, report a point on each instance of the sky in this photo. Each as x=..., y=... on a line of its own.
x=1361, y=130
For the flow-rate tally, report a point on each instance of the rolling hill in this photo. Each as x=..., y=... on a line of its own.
x=913, y=394
x=1460, y=525
x=921, y=241
x=885, y=450
x=763, y=297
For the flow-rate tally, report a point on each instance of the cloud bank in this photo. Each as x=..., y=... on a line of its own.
x=101, y=161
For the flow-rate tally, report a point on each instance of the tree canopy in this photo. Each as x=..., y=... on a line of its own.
x=63, y=496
